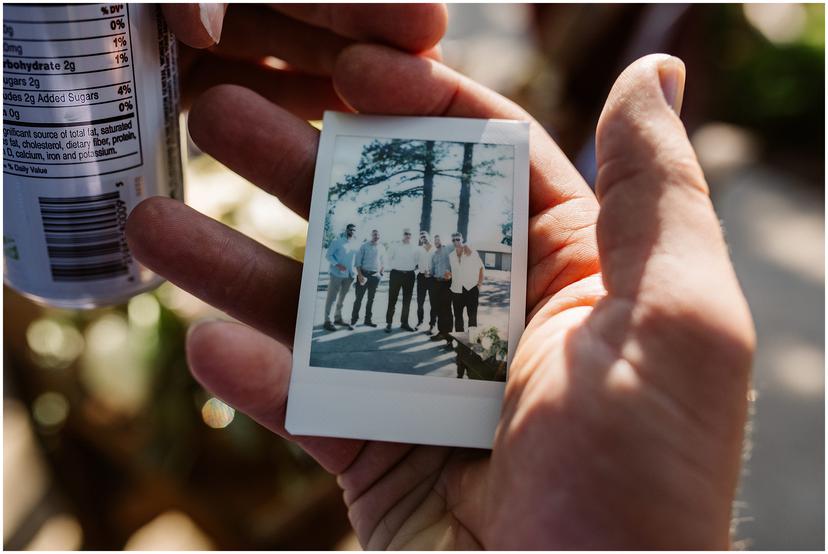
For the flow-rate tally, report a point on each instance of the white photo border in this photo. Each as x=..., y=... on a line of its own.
x=394, y=407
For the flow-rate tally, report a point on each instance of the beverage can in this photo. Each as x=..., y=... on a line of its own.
x=90, y=128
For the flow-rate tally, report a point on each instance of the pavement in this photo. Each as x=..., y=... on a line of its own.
x=775, y=228
x=372, y=349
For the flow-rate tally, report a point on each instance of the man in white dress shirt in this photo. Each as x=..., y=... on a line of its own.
x=466, y=278
x=402, y=261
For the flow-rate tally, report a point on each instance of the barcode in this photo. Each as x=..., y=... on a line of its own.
x=85, y=237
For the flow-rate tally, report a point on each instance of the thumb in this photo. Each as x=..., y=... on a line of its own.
x=657, y=230
x=674, y=310
x=660, y=243
x=196, y=25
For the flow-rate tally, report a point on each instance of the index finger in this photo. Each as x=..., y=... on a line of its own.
x=380, y=80
x=196, y=25
x=412, y=27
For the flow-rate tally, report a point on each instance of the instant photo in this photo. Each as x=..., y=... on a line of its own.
x=413, y=290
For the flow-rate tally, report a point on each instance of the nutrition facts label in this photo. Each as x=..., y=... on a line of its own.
x=69, y=92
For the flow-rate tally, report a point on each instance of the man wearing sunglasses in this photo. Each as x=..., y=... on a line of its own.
x=425, y=283
x=466, y=278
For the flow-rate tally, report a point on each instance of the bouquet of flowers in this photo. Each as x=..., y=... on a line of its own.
x=493, y=347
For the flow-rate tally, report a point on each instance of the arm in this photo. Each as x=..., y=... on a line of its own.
x=331, y=254
x=687, y=357
x=334, y=255
x=358, y=261
x=481, y=266
x=391, y=255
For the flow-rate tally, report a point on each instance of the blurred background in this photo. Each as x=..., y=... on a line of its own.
x=110, y=444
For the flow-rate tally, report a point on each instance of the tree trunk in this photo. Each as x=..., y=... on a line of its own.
x=465, y=191
x=428, y=187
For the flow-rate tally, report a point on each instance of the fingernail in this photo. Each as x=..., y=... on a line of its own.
x=203, y=321
x=212, y=17
x=671, y=75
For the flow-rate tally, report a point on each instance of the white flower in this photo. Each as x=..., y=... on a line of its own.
x=486, y=341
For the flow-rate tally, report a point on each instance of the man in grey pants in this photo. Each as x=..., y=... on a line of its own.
x=340, y=255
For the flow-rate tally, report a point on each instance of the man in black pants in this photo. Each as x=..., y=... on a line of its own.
x=402, y=259
x=369, y=265
x=441, y=293
x=466, y=279
x=425, y=283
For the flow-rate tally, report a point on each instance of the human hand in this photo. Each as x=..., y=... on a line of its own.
x=341, y=267
x=623, y=415
x=219, y=47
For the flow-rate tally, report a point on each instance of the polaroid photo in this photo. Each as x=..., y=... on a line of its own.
x=414, y=285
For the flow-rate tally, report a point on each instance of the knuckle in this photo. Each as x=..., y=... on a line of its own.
x=234, y=279
x=704, y=332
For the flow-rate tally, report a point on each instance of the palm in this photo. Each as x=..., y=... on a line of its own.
x=425, y=497
x=588, y=454
x=611, y=433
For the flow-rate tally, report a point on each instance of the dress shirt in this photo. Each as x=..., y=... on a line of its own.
x=403, y=257
x=424, y=259
x=342, y=251
x=465, y=271
x=440, y=262
x=370, y=256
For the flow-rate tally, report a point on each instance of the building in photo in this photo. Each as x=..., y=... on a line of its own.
x=495, y=256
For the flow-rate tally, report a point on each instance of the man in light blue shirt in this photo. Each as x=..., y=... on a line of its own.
x=370, y=260
x=340, y=255
x=441, y=297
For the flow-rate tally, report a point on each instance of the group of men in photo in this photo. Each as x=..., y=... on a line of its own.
x=450, y=277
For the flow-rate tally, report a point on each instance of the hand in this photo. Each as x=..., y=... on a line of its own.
x=341, y=267
x=623, y=415
x=229, y=47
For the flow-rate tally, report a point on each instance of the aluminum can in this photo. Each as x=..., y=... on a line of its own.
x=90, y=128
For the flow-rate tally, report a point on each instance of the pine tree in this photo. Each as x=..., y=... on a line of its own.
x=465, y=190
x=470, y=174
x=506, y=229
x=411, y=167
